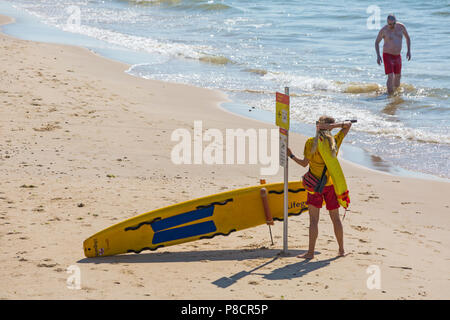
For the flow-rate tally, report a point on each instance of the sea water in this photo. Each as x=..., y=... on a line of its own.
x=323, y=51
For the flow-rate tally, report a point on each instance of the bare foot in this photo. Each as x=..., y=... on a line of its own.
x=341, y=253
x=306, y=255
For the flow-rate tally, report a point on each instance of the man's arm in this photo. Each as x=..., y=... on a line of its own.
x=377, y=46
x=408, y=42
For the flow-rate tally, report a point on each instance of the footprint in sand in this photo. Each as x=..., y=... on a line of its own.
x=46, y=265
x=48, y=127
x=359, y=228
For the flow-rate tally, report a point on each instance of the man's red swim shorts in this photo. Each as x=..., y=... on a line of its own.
x=328, y=194
x=392, y=63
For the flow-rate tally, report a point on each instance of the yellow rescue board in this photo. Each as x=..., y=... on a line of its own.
x=335, y=171
x=207, y=217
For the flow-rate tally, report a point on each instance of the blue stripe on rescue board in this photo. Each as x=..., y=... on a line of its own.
x=184, y=232
x=182, y=219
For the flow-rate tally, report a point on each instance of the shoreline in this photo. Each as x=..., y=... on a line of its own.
x=354, y=155
x=86, y=145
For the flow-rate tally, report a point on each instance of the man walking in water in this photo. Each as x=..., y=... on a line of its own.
x=392, y=34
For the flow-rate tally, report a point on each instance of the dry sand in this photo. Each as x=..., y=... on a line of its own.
x=84, y=145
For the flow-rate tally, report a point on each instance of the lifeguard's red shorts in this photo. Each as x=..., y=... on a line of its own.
x=392, y=63
x=328, y=194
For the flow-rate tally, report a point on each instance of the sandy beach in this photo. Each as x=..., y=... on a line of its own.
x=85, y=145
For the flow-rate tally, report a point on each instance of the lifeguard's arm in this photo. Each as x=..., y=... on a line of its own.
x=346, y=125
x=377, y=46
x=303, y=162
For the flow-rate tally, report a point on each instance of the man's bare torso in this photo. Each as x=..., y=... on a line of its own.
x=393, y=39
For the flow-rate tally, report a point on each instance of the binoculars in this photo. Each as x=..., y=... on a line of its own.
x=352, y=121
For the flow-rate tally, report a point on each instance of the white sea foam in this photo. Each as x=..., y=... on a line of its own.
x=58, y=17
x=307, y=109
x=303, y=83
x=140, y=43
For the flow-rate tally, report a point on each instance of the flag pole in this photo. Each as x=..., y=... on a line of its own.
x=286, y=191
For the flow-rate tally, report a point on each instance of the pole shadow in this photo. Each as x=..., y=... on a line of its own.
x=290, y=271
x=225, y=282
x=297, y=270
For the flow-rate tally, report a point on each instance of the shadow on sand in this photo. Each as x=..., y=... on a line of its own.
x=291, y=271
x=189, y=256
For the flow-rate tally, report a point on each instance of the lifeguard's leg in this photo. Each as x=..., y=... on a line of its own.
x=313, y=231
x=338, y=229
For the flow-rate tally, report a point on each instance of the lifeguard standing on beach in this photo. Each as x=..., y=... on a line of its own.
x=392, y=34
x=313, y=158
